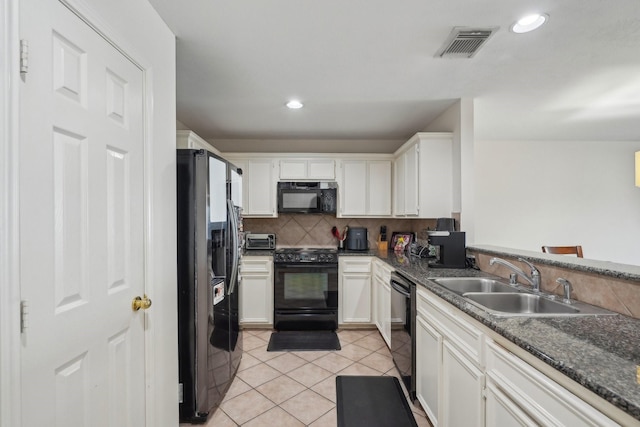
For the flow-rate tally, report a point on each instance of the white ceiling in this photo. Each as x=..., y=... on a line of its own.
x=366, y=69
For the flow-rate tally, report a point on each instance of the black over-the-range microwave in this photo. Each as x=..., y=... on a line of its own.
x=307, y=197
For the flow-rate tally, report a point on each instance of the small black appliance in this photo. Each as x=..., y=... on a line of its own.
x=450, y=249
x=357, y=239
x=260, y=241
x=307, y=197
x=446, y=224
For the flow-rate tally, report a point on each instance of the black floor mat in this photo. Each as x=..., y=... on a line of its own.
x=303, y=341
x=370, y=401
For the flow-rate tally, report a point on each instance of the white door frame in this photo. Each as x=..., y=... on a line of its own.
x=10, y=336
x=9, y=219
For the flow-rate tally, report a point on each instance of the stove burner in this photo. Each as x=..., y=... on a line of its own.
x=306, y=255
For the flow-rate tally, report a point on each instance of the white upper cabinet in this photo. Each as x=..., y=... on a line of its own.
x=364, y=188
x=398, y=186
x=424, y=176
x=259, y=178
x=411, y=181
x=379, y=187
x=307, y=169
x=353, y=188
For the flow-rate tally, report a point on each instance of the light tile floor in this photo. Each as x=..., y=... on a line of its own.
x=298, y=388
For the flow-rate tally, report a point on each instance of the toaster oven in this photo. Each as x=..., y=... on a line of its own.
x=260, y=241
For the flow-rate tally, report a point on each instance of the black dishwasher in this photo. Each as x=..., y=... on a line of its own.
x=403, y=345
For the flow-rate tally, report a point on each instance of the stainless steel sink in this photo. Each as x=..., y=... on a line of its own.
x=503, y=300
x=532, y=305
x=462, y=285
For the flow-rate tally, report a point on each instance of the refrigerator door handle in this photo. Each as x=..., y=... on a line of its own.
x=234, y=245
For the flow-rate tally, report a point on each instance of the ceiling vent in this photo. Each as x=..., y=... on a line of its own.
x=464, y=42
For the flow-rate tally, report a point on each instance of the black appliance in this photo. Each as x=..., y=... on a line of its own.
x=403, y=343
x=450, y=249
x=259, y=241
x=307, y=197
x=357, y=239
x=446, y=224
x=305, y=287
x=209, y=242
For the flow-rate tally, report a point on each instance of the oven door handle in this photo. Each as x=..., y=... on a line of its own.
x=301, y=265
x=400, y=288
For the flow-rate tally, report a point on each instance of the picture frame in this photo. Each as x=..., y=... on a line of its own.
x=407, y=238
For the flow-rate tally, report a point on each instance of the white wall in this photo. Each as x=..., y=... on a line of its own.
x=449, y=121
x=458, y=119
x=534, y=193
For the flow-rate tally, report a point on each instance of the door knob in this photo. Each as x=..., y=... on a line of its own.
x=141, y=303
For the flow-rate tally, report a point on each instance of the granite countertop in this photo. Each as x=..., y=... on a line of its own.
x=601, y=353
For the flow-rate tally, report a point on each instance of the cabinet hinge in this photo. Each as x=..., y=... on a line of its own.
x=24, y=312
x=24, y=56
x=180, y=393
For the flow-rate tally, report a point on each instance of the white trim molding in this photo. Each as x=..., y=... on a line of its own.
x=9, y=217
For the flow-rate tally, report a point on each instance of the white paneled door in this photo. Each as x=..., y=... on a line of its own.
x=81, y=225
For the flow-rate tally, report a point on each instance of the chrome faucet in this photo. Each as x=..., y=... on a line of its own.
x=567, y=289
x=534, y=280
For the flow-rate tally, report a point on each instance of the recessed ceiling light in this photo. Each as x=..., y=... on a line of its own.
x=294, y=104
x=529, y=23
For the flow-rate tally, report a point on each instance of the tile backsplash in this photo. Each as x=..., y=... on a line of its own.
x=314, y=230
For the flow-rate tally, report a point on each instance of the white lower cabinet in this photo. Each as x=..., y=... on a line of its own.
x=382, y=298
x=256, y=290
x=501, y=411
x=522, y=395
x=465, y=378
x=384, y=311
x=462, y=384
x=428, y=368
x=354, y=290
x=449, y=371
x=382, y=294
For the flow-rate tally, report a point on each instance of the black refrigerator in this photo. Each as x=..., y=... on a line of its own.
x=209, y=242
